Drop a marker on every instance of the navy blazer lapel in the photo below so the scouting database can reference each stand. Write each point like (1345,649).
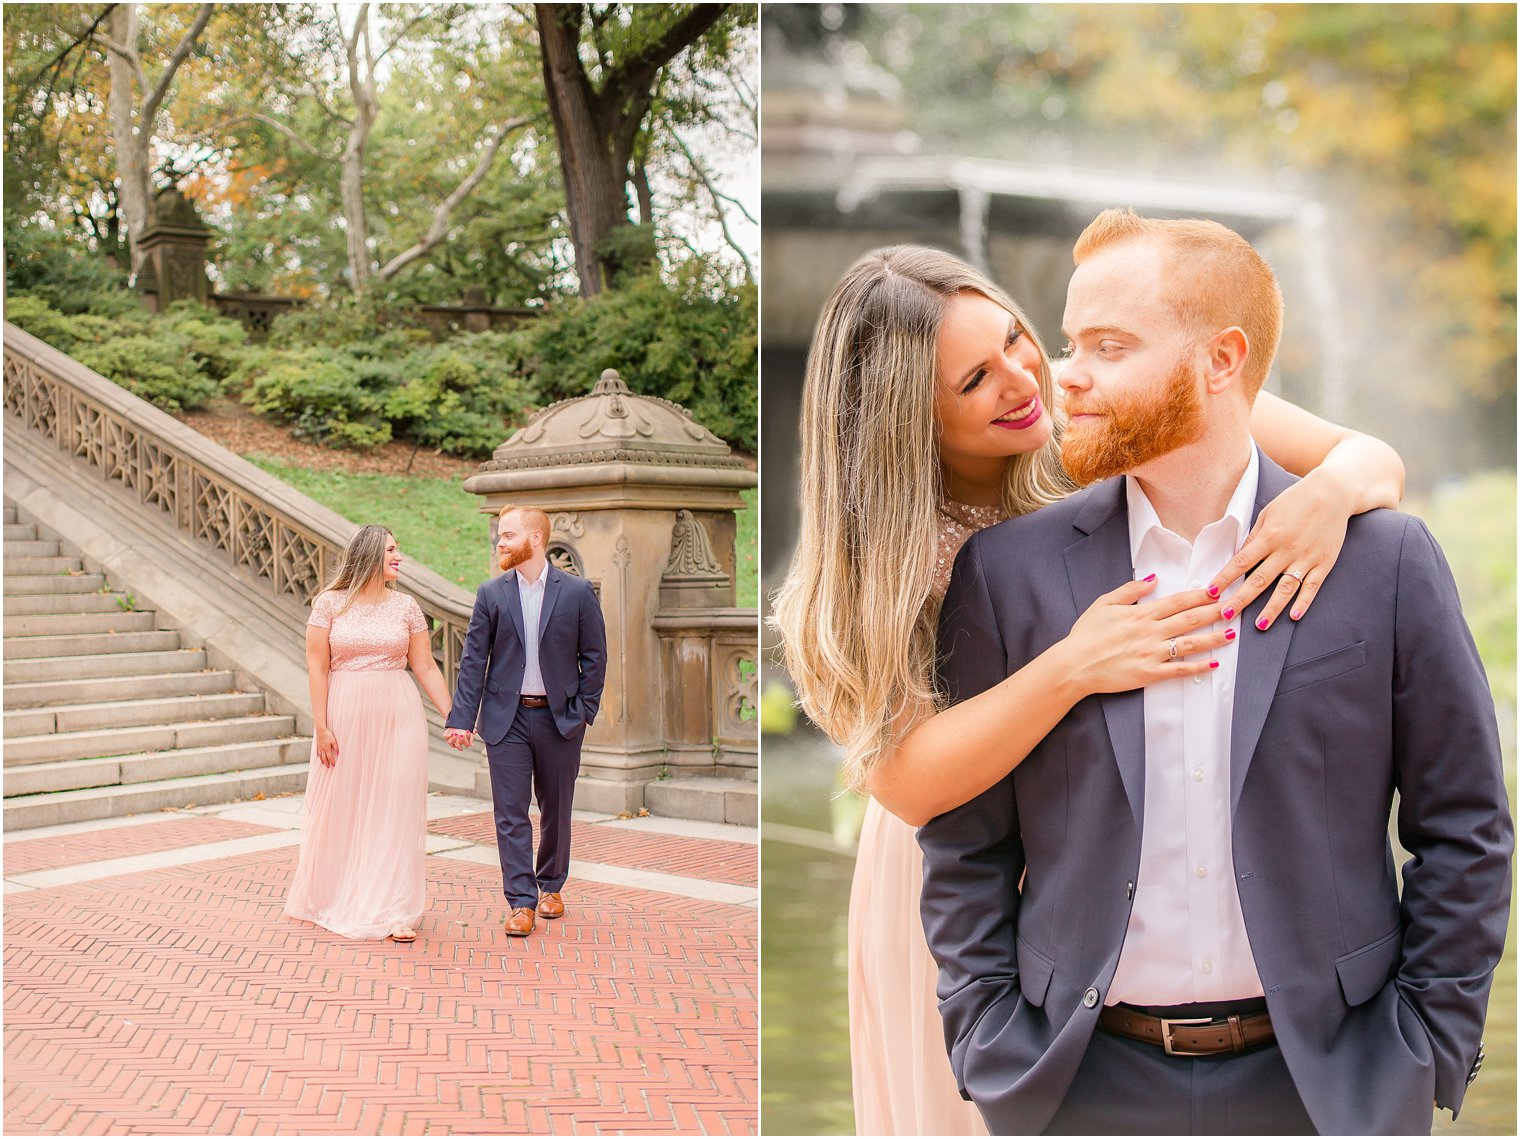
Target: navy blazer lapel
(1096,563)
(552,586)
(514,604)
(1261,654)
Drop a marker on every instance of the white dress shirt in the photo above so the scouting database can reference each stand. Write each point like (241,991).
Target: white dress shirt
(1186,940)
(531,595)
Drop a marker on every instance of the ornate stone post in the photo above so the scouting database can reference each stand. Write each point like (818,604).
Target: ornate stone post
(174,245)
(641,500)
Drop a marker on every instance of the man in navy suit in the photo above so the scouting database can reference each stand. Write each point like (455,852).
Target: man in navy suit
(1180,914)
(536,650)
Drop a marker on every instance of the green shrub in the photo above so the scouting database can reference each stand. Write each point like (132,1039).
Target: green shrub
(155,368)
(317,390)
(218,344)
(41,319)
(340,320)
(693,342)
(61,271)
(459,397)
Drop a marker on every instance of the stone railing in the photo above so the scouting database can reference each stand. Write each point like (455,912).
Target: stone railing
(249,524)
(711,687)
(258,312)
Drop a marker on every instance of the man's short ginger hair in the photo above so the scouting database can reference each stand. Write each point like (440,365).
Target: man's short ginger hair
(1215,279)
(532,519)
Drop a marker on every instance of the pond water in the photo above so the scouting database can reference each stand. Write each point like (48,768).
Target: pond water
(805,1059)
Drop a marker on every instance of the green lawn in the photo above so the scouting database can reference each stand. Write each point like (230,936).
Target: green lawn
(438,523)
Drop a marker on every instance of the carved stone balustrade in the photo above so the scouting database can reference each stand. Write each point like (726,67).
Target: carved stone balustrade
(642,500)
(254,550)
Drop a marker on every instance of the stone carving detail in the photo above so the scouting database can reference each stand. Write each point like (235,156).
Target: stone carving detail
(691,552)
(740,690)
(229,519)
(562,556)
(622,557)
(568,523)
(612,425)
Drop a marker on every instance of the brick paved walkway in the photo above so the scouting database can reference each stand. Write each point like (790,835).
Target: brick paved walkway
(177,999)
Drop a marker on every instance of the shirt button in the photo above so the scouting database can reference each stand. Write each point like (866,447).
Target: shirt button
(1202,871)
(1090,998)
(1208,966)
(1197,775)
(1198,679)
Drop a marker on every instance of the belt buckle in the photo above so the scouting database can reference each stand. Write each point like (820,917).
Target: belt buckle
(1166,1034)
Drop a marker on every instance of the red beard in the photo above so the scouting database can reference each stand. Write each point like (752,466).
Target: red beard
(515,556)
(1133,430)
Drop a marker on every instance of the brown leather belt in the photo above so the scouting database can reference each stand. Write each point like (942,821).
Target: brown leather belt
(1190,1037)
(533,701)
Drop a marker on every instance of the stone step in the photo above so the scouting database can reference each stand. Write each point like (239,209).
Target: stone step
(24,605)
(117,688)
(54,583)
(30,547)
(30,564)
(39,669)
(20,750)
(52,624)
(93,644)
(19,532)
(711,800)
(25,811)
(10,515)
(149,767)
(132,713)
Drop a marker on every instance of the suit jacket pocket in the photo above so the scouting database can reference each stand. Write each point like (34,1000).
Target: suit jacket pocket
(1323,667)
(1364,972)
(1035,971)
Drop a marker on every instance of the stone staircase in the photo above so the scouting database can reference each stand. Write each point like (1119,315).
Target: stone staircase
(108,714)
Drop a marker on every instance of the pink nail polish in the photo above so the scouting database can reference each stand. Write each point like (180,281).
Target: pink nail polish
(1296,614)
(1150,577)
(1228,612)
(1213,664)
(1214,591)
(1261,623)
(1229,634)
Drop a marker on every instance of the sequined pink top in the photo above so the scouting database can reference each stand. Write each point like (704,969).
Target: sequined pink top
(957,522)
(367,638)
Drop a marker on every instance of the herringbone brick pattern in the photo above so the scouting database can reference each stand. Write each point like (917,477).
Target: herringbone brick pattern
(736,863)
(25,855)
(182,1001)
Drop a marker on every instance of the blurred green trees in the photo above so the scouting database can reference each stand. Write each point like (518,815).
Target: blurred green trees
(1400,119)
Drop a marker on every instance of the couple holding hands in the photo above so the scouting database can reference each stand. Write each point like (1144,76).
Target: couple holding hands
(531,676)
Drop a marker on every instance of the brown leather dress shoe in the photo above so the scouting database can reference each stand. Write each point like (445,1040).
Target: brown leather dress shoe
(551,906)
(520,923)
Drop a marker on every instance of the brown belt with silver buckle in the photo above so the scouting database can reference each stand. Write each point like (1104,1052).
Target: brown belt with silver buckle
(533,701)
(1190,1037)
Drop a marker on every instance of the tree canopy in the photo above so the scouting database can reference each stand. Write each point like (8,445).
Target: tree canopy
(407,148)
(1398,120)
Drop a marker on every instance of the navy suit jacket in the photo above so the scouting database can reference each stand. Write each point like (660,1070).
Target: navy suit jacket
(1377,997)
(572,655)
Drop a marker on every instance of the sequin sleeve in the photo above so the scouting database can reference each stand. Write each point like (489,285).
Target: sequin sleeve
(416,622)
(322,610)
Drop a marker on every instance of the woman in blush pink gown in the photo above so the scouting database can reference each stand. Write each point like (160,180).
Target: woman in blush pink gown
(929,412)
(361,867)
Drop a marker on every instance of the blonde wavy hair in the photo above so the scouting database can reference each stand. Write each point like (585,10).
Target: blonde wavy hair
(857,612)
(362,560)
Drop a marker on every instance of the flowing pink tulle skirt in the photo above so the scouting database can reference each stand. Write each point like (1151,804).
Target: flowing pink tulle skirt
(900,1072)
(365,836)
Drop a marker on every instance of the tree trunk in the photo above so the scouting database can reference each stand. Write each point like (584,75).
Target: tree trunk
(351,182)
(129,139)
(593,190)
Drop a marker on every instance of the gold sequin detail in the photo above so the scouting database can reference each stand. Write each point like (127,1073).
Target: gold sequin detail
(957,522)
